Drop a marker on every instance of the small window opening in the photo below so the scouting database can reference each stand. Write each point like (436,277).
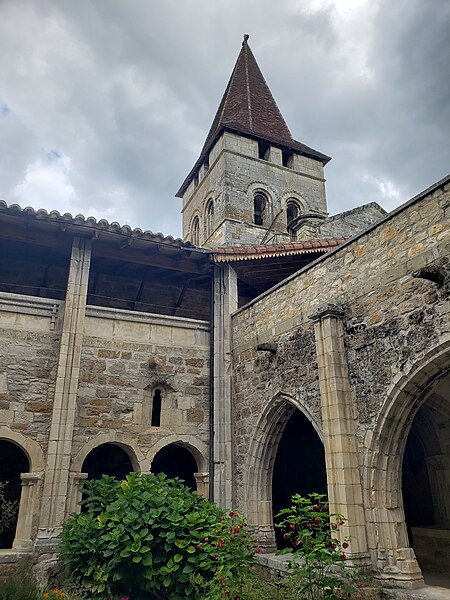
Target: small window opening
(209,217)
(206,163)
(196,231)
(156,409)
(196,180)
(288,158)
(292,213)
(263,150)
(258,209)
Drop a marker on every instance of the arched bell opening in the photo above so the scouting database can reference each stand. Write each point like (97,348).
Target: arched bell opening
(107,459)
(299,466)
(13,462)
(176,461)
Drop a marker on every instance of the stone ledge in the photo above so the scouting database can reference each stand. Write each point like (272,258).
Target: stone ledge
(118,314)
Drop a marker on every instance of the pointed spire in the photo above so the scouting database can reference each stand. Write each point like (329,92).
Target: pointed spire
(248,108)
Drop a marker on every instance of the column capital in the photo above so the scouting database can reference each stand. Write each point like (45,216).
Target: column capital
(76,476)
(327,310)
(30,478)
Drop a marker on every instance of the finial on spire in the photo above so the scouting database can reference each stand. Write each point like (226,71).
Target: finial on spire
(246,36)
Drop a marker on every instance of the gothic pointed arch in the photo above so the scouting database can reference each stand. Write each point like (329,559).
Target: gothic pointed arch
(421,387)
(265,445)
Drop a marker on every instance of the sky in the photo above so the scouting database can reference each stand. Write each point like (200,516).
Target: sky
(105,104)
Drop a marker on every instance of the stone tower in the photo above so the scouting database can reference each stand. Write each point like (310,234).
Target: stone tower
(252,183)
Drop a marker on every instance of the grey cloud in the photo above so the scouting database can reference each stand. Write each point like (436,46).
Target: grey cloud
(126,92)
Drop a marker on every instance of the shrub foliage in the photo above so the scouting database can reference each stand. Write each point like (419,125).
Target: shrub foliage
(319,568)
(149,533)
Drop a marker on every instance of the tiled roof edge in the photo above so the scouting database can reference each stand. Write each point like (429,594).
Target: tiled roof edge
(55,216)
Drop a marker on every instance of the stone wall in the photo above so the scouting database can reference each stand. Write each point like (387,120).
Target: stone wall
(392,319)
(236,173)
(350,222)
(125,357)
(28,356)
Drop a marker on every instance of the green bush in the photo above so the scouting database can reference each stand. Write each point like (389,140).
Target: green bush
(151,535)
(319,567)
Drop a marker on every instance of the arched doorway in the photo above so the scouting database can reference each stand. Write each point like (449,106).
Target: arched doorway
(407,462)
(299,466)
(277,467)
(13,462)
(426,483)
(107,459)
(176,461)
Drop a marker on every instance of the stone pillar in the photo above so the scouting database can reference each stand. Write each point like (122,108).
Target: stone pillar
(225,303)
(202,481)
(439,475)
(339,431)
(56,479)
(274,155)
(27,508)
(76,487)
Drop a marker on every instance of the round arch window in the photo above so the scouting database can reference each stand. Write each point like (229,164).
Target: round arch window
(196,231)
(292,214)
(259,209)
(209,217)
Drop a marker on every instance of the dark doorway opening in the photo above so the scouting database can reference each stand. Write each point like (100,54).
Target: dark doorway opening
(426,502)
(176,461)
(417,498)
(299,466)
(107,459)
(13,462)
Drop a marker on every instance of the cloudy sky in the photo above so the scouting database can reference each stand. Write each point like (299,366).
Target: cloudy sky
(105,104)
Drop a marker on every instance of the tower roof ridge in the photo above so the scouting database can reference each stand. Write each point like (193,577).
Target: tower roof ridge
(249,108)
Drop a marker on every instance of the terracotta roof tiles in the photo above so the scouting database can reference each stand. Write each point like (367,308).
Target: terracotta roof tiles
(237,253)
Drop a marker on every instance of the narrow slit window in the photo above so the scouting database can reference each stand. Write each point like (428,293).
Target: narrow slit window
(156,409)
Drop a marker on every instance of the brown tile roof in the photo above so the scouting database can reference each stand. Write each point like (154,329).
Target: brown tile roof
(237,253)
(41,215)
(248,108)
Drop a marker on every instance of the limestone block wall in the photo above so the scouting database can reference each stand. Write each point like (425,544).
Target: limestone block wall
(350,222)
(393,320)
(125,357)
(28,355)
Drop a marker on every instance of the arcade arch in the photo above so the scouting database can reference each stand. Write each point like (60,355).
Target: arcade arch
(21,465)
(411,442)
(279,466)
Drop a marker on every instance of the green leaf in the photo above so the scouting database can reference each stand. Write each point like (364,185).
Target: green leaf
(188,569)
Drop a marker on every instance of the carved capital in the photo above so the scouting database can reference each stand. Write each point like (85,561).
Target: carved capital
(327,310)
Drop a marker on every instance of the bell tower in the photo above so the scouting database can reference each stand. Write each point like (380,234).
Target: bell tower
(252,183)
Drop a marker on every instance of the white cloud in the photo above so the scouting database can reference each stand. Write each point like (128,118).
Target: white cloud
(47,182)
